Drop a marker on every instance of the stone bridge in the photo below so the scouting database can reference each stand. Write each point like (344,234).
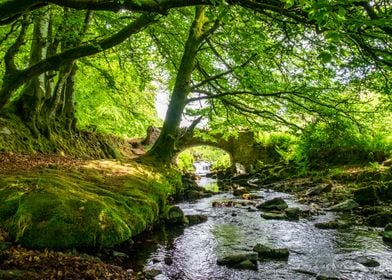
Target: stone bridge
(243,149)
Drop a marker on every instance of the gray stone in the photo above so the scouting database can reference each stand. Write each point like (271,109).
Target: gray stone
(236,259)
(265,251)
(336,224)
(319,189)
(293,213)
(168,260)
(5,130)
(152,273)
(346,205)
(367,261)
(196,219)
(273,204)
(274,215)
(239,191)
(247,264)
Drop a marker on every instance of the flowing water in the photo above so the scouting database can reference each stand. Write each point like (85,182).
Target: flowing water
(314,252)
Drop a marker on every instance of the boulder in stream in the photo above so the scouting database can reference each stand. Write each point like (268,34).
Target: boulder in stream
(175,216)
(344,206)
(273,204)
(335,224)
(243,260)
(367,261)
(274,215)
(293,213)
(196,219)
(267,252)
(387,234)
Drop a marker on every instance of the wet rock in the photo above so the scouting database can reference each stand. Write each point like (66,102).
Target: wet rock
(223,203)
(273,204)
(265,251)
(152,273)
(247,264)
(336,224)
(196,219)
(238,260)
(239,191)
(366,195)
(319,189)
(168,260)
(249,196)
(387,234)
(175,216)
(292,213)
(274,215)
(380,219)
(366,261)
(344,206)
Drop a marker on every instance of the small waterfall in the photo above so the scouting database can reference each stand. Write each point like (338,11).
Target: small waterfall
(202,168)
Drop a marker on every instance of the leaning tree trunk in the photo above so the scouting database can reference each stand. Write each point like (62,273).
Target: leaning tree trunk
(164,147)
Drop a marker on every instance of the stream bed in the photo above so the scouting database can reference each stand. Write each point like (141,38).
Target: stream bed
(192,252)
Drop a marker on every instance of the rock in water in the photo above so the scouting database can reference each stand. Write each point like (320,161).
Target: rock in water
(273,204)
(274,215)
(271,253)
(332,225)
(293,213)
(346,205)
(387,234)
(196,219)
(175,216)
(368,262)
(244,261)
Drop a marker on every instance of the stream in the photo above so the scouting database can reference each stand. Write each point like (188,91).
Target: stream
(192,252)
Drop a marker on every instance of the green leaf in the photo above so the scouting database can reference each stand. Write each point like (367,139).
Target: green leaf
(325,57)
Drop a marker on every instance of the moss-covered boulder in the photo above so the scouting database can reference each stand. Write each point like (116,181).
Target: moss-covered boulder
(387,234)
(273,204)
(366,195)
(380,219)
(102,203)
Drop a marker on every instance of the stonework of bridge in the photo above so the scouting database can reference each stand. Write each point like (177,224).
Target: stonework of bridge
(243,149)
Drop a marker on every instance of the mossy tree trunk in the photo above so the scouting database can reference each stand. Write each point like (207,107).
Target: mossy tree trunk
(34,93)
(165,146)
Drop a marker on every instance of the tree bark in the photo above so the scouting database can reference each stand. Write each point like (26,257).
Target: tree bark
(164,147)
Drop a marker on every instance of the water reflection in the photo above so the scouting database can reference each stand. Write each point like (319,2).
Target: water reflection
(231,230)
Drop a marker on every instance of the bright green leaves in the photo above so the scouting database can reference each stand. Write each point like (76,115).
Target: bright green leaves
(325,57)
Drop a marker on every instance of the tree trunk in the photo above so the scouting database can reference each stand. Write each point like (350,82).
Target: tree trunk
(34,93)
(164,148)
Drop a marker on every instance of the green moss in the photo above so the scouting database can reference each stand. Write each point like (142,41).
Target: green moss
(101,204)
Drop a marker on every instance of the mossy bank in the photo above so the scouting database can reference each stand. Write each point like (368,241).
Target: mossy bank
(96,203)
